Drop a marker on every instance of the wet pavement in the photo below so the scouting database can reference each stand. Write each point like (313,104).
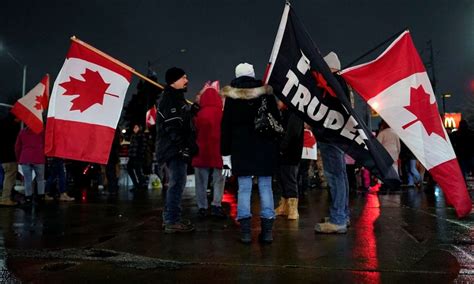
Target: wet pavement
(402,236)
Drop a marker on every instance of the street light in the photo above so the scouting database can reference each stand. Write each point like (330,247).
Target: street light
(444,96)
(4,49)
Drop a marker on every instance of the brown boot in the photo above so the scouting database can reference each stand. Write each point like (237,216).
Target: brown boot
(293,209)
(282,208)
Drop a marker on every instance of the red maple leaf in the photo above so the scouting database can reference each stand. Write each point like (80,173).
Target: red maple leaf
(425,112)
(91,91)
(41,102)
(322,83)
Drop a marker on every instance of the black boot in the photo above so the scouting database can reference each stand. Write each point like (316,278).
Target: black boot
(245,231)
(265,235)
(39,200)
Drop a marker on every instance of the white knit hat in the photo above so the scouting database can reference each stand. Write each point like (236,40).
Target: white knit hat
(244,69)
(332,61)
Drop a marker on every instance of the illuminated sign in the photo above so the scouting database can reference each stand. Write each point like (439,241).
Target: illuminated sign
(451,120)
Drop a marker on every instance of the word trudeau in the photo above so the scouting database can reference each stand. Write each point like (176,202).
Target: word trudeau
(302,100)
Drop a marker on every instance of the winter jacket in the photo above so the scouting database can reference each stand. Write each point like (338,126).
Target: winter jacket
(291,145)
(9,130)
(251,153)
(175,132)
(462,140)
(136,149)
(208,130)
(29,147)
(389,139)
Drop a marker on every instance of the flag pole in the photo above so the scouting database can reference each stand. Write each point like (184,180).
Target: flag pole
(101,53)
(375,48)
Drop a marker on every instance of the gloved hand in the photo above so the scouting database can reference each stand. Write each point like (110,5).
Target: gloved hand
(193,108)
(227,167)
(185,154)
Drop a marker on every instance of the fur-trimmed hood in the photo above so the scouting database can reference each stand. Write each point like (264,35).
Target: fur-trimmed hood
(246,93)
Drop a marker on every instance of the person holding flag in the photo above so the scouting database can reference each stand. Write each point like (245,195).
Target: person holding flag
(334,165)
(175,145)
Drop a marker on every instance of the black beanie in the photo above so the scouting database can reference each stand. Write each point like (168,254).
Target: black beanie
(173,74)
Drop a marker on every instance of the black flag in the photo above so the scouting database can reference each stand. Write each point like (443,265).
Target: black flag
(302,80)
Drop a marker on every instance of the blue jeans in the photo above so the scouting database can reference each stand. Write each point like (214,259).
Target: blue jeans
(28,175)
(57,172)
(336,175)
(412,173)
(245,194)
(202,178)
(177,168)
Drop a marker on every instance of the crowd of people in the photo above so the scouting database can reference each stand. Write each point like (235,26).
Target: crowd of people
(217,136)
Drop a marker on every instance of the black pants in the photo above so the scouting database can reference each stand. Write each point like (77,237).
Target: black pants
(135,171)
(287,179)
(111,175)
(303,176)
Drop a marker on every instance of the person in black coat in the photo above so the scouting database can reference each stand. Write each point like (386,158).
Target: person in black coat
(291,147)
(462,140)
(247,153)
(9,128)
(175,145)
(136,155)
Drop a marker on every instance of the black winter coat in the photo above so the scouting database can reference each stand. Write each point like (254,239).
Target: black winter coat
(136,150)
(9,129)
(251,153)
(291,146)
(175,131)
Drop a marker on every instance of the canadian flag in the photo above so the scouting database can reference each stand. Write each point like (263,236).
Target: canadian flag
(29,108)
(85,105)
(310,150)
(151,117)
(397,86)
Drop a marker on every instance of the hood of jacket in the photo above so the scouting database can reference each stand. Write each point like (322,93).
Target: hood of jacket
(246,88)
(210,98)
(246,94)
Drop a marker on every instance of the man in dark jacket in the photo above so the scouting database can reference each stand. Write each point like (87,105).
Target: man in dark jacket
(175,145)
(291,148)
(10,128)
(462,140)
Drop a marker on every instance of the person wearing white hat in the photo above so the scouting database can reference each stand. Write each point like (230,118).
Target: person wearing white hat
(246,153)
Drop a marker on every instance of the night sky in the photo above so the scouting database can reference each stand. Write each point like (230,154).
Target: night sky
(218,34)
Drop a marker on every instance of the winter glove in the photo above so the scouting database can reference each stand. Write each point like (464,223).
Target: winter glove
(193,108)
(227,167)
(185,154)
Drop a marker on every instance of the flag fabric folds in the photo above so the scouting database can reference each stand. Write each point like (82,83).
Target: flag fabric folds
(302,80)
(397,86)
(29,108)
(85,105)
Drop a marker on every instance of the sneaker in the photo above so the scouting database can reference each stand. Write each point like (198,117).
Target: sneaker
(179,227)
(326,220)
(330,228)
(65,197)
(202,213)
(218,211)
